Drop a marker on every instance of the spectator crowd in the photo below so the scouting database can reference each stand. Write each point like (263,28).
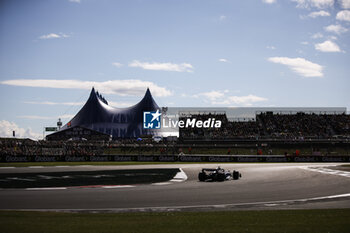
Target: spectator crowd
(27,147)
(269,125)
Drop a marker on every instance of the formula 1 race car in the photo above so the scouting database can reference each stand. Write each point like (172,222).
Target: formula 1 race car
(218,174)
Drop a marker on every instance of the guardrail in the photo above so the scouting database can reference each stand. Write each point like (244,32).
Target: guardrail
(179,158)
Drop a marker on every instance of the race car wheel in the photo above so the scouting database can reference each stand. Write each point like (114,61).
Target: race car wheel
(221,177)
(236,175)
(202,176)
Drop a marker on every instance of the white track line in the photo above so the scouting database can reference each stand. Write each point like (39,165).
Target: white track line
(161,183)
(180,176)
(117,186)
(72,187)
(179,208)
(328,171)
(49,188)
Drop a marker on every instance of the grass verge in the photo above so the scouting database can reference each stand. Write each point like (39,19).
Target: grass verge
(330,220)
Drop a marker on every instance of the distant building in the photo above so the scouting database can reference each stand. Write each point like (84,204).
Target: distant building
(78,133)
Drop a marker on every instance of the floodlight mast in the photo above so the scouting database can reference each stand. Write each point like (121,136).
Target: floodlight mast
(59,123)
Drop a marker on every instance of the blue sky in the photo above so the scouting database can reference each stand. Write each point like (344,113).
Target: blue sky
(191,53)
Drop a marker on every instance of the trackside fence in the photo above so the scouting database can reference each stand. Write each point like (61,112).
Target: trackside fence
(177,158)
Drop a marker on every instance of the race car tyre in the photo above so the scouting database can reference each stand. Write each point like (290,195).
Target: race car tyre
(221,177)
(236,175)
(202,176)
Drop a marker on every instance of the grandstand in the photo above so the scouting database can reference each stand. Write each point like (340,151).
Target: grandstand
(273,125)
(98,121)
(321,133)
(101,130)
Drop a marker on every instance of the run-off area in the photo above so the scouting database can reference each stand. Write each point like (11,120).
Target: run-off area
(85,178)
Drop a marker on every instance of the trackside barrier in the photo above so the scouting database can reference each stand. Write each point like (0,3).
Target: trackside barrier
(276,159)
(75,159)
(99,158)
(219,159)
(123,158)
(45,159)
(167,158)
(178,158)
(190,159)
(143,158)
(11,158)
(335,159)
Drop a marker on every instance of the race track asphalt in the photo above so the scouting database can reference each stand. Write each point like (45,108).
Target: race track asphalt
(263,186)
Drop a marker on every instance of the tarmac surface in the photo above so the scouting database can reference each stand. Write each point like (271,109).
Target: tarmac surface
(262,186)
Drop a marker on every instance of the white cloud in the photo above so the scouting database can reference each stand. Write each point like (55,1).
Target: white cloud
(317,35)
(53,36)
(322,3)
(304,43)
(222,98)
(269,1)
(344,15)
(314,3)
(316,14)
(34,117)
(245,100)
(327,46)
(117,64)
(338,29)
(224,60)
(49,36)
(212,95)
(300,66)
(7,127)
(299,51)
(222,17)
(271,47)
(118,87)
(76,1)
(345,4)
(54,103)
(184,67)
